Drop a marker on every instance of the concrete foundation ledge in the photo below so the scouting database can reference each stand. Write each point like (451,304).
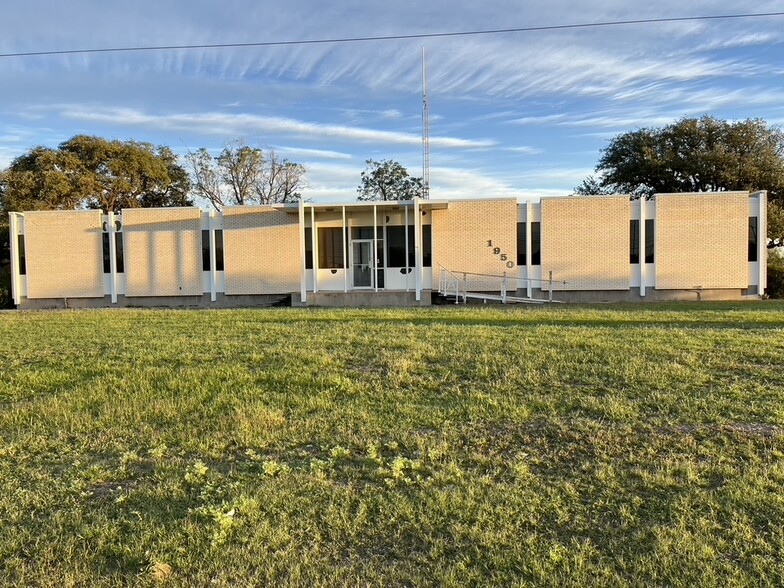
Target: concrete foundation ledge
(362,299)
(651,295)
(222,301)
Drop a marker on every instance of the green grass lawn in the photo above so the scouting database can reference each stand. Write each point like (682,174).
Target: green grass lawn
(460,446)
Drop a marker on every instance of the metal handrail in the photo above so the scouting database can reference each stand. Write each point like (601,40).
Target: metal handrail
(505,275)
(451,282)
(445,284)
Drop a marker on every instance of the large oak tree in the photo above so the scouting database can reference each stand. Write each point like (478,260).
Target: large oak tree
(93,172)
(88,172)
(696,155)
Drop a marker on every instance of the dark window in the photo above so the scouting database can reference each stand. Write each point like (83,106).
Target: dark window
(396,247)
(427,246)
(107,267)
(118,254)
(520,243)
(205,250)
(536,244)
(118,251)
(634,241)
(364,233)
(219,250)
(330,248)
(753,242)
(22,260)
(308,248)
(649,240)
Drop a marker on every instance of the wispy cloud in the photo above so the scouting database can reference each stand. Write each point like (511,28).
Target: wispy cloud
(524,150)
(228,125)
(313,153)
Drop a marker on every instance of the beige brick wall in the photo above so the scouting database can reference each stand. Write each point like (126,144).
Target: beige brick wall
(460,239)
(64,254)
(585,242)
(260,250)
(162,251)
(701,240)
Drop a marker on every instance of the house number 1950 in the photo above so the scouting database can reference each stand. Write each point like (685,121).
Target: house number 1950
(503,256)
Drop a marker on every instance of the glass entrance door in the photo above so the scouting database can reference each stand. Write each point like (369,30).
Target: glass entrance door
(362,263)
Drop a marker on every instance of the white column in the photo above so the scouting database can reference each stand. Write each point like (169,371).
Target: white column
(13,238)
(374,269)
(303,290)
(111,231)
(528,252)
(762,241)
(211,215)
(641,246)
(346,244)
(314,247)
(408,269)
(418,249)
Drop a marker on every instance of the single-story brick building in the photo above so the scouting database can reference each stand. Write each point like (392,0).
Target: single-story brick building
(576,248)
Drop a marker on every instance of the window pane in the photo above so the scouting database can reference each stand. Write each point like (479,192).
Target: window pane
(106,265)
(330,248)
(396,246)
(364,232)
(753,242)
(634,241)
(205,251)
(219,250)
(22,261)
(118,253)
(536,244)
(427,246)
(308,248)
(520,243)
(649,240)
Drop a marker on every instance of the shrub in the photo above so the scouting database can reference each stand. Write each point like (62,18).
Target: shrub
(775,275)
(5,288)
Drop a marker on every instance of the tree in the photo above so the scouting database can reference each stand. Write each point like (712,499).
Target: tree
(696,155)
(591,186)
(775,224)
(88,172)
(388,180)
(245,175)
(93,172)
(282,180)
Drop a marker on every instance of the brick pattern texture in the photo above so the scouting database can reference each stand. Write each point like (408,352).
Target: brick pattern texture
(162,251)
(460,240)
(701,241)
(585,242)
(260,250)
(64,254)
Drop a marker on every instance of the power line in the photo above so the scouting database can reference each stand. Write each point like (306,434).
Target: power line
(394,37)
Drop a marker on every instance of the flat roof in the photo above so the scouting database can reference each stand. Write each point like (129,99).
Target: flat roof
(366,206)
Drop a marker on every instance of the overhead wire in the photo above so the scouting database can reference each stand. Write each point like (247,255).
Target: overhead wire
(363,39)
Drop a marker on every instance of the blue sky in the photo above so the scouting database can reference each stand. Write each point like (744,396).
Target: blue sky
(518,114)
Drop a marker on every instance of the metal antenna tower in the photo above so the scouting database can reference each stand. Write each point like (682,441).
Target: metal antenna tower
(425,132)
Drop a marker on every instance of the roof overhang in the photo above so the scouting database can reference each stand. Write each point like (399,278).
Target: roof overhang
(380,205)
